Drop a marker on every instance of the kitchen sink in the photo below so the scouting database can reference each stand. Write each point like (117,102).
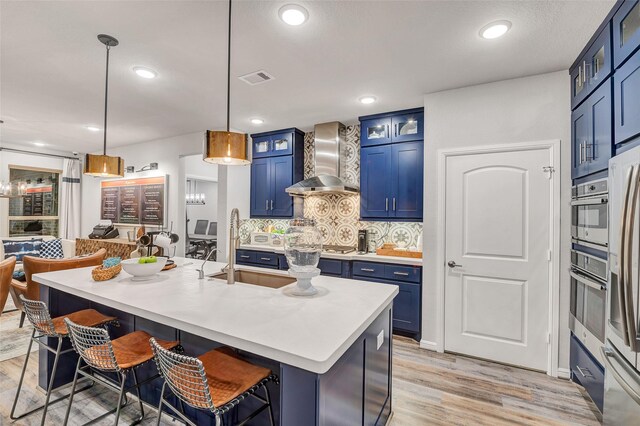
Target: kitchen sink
(257,278)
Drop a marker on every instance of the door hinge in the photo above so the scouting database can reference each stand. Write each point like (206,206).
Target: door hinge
(548,338)
(550,170)
(549,255)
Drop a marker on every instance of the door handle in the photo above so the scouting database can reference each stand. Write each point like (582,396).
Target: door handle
(402,274)
(582,372)
(394,204)
(367,269)
(386,204)
(629,303)
(395,130)
(584,71)
(452,264)
(622,273)
(271,204)
(580,75)
(266,205)
(266,258)
(608,353)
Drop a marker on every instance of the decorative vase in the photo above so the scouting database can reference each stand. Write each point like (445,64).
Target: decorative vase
(302,247)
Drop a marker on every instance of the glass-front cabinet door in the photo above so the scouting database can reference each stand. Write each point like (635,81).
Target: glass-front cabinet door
(281,144)
(626,31)
(407,127)
(376,131)
(261,147)
(598,59)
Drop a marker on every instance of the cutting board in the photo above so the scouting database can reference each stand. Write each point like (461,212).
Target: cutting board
(399,253)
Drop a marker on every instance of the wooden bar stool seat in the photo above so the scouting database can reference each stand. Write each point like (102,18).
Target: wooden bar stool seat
(103,355)
(38,315)
(216,381)
(86,317)
(228,376)
(130,350)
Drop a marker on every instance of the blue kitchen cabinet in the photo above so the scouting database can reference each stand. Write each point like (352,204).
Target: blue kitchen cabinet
(391,181)
(408,127)
(260,187)
(592,69)
(375,131)
(407,180)
(282,178)
(591,133)
(375,185)
(586,371)
(392,167)
(626,31)
(408,303)
(627,100)
(278,161)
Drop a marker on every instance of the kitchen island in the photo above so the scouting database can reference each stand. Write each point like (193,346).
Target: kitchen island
(332,351)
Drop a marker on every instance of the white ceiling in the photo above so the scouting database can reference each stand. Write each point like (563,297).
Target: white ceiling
(52,66)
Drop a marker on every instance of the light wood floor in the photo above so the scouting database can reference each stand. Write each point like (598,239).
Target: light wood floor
(429,389)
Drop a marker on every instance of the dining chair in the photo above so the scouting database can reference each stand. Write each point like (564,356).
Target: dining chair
(6,275)
(213,228)
(201,226)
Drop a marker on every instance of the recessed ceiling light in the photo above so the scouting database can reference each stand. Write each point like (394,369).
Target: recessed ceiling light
(495,29)
(367,100)
(39,143)
(293,14)
(92,128)
(257,121)
(145,72)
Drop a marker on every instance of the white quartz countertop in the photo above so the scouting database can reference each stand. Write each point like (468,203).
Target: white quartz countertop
(369,257)
(310,333)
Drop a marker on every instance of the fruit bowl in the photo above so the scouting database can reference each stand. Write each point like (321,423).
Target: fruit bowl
(143,271)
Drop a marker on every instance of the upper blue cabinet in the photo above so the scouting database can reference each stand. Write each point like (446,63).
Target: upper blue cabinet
(592,69)
(278,162)
(626,31)
(401,126)
(272,144)
(626,92)
(392,166)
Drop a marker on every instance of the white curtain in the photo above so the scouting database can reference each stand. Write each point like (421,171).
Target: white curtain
(70,200)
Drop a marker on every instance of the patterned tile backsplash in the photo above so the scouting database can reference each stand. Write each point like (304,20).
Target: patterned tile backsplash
(337,216)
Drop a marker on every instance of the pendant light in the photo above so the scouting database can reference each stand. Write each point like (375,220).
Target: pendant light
(104,165)
(228,148)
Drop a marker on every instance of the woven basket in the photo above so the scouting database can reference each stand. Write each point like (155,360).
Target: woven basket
(103,274)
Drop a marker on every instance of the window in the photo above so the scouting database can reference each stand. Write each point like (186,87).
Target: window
(35,213)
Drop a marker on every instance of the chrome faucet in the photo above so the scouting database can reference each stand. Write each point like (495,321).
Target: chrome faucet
(201,270)
(234,243)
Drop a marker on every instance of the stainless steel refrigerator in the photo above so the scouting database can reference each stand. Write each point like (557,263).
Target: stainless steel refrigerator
(620,353)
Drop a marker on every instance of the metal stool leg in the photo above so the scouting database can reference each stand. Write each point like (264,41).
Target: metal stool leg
(53,375)
(24,369)
(22,317)
(73,389)
(160,404)
(135,381)
(270,408)
(120,395)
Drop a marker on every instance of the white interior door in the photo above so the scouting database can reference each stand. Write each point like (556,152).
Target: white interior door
(497,280)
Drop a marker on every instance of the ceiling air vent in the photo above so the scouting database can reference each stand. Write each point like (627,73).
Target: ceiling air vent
(256,77)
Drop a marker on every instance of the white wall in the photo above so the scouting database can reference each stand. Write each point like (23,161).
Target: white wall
(520,110)
(209,210)
(27,160)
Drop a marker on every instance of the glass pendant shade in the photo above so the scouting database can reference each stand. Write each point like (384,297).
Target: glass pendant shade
(103,166)
(226,148)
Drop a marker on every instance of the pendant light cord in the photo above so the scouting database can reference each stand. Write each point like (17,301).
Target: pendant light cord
(228,69)
(106,93)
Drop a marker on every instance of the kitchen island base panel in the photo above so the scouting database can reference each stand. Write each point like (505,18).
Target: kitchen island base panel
(356,390)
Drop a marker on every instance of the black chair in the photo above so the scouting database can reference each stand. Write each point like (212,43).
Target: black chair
(213,228)
(201,226)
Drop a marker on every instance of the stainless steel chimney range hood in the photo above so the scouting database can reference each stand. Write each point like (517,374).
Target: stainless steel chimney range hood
(329,156)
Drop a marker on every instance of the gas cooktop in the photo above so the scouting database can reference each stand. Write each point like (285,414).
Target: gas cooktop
(338,249)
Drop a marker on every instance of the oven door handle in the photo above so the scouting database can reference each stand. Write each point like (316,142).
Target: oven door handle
(590,201)
(622,300)
(585,280)
(628,256)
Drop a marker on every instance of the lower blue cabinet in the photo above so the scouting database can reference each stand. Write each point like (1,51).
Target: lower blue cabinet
(587,371)
(407,306)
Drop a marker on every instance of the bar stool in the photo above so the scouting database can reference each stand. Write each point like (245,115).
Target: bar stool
(216,381)
(120,356)
(39,317)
